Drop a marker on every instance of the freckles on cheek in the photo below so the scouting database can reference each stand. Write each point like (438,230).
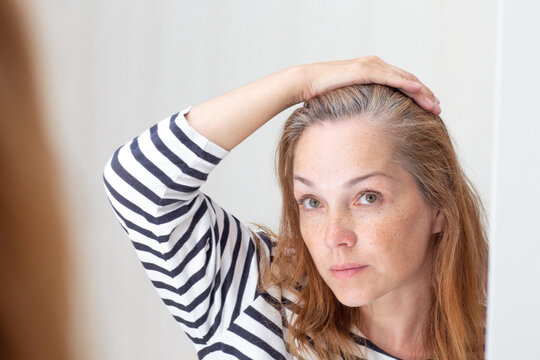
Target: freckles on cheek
(391,239)
(310,229)
(398,243)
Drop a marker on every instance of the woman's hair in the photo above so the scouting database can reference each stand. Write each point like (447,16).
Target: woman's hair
(33,298)
(421,143)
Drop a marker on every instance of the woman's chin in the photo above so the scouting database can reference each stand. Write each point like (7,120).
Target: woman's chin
(352,299)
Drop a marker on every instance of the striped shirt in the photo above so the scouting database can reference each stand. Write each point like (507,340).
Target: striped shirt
(202,260)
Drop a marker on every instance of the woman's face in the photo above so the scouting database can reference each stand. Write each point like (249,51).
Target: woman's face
(362,217)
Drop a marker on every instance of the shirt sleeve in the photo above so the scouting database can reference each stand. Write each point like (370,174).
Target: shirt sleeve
(201,259)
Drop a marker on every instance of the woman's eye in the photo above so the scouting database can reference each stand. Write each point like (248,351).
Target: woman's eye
(370,198)
(312,203)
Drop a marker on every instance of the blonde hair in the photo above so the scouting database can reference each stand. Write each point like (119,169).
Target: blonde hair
(422,145)
(33,299)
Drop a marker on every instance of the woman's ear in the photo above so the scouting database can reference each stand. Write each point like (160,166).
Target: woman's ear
(438,222)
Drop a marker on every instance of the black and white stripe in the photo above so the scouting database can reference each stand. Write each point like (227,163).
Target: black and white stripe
(201,259)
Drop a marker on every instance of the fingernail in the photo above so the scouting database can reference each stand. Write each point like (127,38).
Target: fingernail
(429,102)
(437,100)
(438,108)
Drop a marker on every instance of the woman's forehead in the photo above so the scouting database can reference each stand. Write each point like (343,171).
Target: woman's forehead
(343,146)
(346,183)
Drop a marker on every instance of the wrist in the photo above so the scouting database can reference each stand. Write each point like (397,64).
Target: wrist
(295,80)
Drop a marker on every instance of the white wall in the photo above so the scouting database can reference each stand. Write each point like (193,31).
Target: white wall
(514,287)
(114,68)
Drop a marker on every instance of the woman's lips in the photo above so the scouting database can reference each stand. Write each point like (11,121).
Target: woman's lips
(344,271)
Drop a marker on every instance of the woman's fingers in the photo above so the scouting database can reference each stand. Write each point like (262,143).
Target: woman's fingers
(413,78)
(424,98)
(411,86)
(407,83)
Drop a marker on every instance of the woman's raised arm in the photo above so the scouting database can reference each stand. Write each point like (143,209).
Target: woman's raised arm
(230,118)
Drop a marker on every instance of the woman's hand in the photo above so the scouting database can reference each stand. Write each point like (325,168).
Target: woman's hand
(325,76)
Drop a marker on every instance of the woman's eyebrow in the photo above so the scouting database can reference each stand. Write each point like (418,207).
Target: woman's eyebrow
(349,183)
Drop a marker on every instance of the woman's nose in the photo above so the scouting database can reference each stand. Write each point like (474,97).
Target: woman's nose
(340,232)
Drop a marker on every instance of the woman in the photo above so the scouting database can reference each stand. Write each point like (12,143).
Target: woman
(381,251)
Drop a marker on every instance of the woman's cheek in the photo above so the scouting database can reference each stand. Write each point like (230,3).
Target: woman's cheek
(312,229)
(396,242)
(388,233)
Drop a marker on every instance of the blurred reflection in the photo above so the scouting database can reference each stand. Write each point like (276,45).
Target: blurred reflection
(33,299)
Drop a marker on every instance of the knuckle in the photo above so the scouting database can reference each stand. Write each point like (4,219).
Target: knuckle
(372,58)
